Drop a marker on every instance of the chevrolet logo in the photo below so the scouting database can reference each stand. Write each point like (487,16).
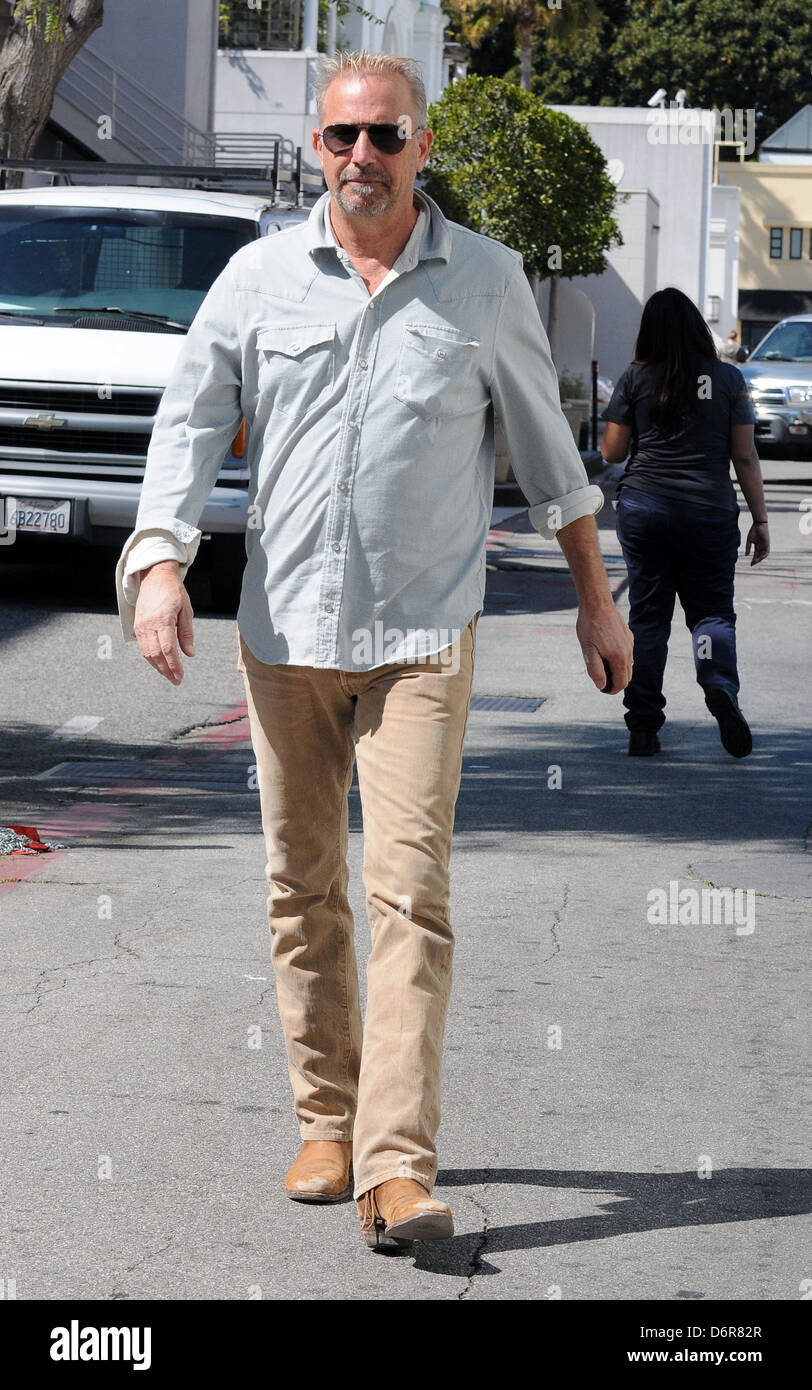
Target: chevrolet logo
(46,422)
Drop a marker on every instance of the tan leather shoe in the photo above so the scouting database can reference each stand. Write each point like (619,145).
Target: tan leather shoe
(399,1211)
(321,1173)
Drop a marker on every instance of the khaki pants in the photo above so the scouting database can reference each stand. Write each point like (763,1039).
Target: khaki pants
(376,1084)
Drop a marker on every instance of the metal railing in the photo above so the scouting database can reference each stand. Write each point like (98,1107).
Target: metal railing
(262,150)
(238,147)
(138,120)
(287,183)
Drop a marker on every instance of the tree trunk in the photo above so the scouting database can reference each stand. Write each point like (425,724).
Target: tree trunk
(552,316)
(526,42)
(30,69)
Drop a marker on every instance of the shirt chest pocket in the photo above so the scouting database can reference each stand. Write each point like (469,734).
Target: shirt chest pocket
(296,365)
(436,372)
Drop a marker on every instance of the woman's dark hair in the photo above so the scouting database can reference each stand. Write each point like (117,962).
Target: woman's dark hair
(675,339)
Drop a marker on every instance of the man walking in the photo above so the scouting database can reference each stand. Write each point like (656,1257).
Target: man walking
(367,349)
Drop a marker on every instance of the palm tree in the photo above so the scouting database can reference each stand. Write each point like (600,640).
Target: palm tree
(477,19)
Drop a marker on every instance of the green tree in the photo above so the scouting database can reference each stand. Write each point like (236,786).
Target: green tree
(750,54)
(745,54)
(507,166)
(583,73)
(42,39)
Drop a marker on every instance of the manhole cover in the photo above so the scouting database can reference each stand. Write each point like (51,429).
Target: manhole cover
(503,702)
(209,776)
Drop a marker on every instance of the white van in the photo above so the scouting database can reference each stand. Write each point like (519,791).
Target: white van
(97,287)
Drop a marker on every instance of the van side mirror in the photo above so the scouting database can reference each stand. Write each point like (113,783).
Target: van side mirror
(742,354)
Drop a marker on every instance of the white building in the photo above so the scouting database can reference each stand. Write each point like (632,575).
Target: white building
(161,82)
(678,226)
(267,91)
(142,87)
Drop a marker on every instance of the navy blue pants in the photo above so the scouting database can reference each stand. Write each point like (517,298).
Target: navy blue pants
(676,549)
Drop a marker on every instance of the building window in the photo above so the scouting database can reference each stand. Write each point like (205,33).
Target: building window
(776,243)
(246,24)
(796,237)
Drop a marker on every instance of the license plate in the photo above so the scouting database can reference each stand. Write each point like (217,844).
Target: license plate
(48,517)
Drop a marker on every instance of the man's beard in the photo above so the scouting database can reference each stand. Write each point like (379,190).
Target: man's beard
(364,199)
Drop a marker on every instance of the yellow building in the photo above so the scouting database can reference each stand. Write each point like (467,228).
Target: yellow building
(775,228)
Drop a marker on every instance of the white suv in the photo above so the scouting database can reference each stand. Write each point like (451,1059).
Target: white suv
(97,287)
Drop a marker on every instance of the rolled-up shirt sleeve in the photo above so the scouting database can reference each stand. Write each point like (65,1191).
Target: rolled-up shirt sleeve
(524,390)
(199,415)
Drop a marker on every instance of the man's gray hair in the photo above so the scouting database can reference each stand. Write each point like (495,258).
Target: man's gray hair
(363,64)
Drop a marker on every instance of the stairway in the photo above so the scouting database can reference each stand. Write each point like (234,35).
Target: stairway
(112,114)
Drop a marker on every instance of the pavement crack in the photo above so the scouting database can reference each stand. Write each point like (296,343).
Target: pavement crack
(477,1255)
(66,966)
(558,918)
(54,882)
(121,946)
(151,1255)
(40,985)
(210,724)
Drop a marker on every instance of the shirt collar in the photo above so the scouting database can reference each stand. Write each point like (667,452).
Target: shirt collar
(431,229)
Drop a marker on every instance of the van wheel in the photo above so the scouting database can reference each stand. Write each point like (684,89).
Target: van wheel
(225,565)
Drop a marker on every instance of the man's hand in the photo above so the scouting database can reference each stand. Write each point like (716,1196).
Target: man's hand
(163,618)
(604,636)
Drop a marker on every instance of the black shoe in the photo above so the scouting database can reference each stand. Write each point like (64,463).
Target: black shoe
(642,743)
(734,730)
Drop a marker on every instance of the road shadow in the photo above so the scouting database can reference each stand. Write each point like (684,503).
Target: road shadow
(39,583)
(691,791)
(631,1204)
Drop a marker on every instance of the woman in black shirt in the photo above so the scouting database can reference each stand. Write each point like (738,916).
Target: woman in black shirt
(682,415)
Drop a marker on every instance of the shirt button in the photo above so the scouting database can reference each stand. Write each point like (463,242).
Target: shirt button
(351,424)
(328,607)
(440,353)
(294,347)
(342,487)
(363,363)
(336,545)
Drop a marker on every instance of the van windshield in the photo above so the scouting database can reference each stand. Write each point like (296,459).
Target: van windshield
(58,264)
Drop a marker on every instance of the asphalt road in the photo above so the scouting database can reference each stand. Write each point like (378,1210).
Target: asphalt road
(622,1100)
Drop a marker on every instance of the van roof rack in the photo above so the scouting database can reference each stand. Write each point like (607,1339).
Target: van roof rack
(268,175)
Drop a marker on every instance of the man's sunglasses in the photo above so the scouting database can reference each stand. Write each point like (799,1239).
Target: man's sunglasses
(389,139)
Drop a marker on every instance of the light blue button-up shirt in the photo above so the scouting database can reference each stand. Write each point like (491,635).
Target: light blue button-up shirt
(371,438)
